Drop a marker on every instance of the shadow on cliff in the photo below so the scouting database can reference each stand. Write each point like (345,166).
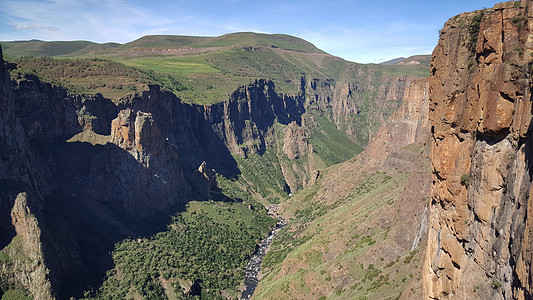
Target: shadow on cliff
(9,189)
(188,128)
(86,216)
(104,195)
(252,110)
(521,215)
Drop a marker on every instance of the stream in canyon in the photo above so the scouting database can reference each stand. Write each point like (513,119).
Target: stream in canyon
(254,264)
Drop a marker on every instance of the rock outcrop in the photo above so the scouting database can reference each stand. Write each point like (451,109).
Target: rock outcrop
(245,122)
(88,172)
(21,184)
(405,134)
(480,228)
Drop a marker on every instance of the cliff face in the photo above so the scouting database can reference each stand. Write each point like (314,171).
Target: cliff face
(409,125)
(357,107)
(21,183)
(82,172)
(352,200)
(73,163)
(245,122)
(479,240)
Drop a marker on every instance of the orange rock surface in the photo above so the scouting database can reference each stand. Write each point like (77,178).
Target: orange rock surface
(480,112)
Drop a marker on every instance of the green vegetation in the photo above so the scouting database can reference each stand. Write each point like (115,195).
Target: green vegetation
(112,79)
(517,4)
(4,258)
(465,179)
(41,48)
(263,174)
(228,40)
(15,294)
(327,241)
(205,70)
(496,284)
(204,249)
(519,49)
(209,245)
(519,21)
(331,144)
(473,31)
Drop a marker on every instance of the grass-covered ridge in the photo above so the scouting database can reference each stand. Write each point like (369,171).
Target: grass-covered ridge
(42,48)
(282,41)
(92,75)
(210,68)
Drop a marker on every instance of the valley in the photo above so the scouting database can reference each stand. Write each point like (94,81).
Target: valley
(121,160)
(257,165)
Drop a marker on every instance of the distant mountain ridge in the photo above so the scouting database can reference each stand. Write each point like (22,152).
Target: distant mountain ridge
(411,60)
(393,61)
(81,48)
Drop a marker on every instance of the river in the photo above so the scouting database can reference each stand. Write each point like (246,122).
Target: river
(254,264)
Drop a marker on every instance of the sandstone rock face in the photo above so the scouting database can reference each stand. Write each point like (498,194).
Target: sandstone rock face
(479,243)
(408,126)
(33,275)
(204,180)
(295,143)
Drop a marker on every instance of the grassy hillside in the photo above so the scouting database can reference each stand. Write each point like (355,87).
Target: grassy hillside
(210,68)
(41,48)
(111,79)
(331,145)
(346,239)
(228,40)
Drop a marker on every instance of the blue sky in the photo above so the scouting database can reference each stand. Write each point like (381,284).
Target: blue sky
(362,31)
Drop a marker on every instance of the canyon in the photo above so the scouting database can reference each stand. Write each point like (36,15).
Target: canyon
(394,186)
(83,172)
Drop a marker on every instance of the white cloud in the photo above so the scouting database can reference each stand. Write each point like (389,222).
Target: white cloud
(35,27)
(95,20)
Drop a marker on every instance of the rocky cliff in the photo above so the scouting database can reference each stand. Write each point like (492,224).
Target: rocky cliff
(479,240)
(245,122)
(82,172)
(358,228)
(21,185)
(73,163)
(409,125)
(357,106)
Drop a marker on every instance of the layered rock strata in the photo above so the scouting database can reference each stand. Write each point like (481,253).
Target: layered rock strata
(88,172)
(479,240)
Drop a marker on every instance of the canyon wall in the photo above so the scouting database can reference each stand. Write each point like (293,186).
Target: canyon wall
(21,185)
(72,163)
(409,125)
(342,202)
(357,105)
(81,172)
(480,228)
